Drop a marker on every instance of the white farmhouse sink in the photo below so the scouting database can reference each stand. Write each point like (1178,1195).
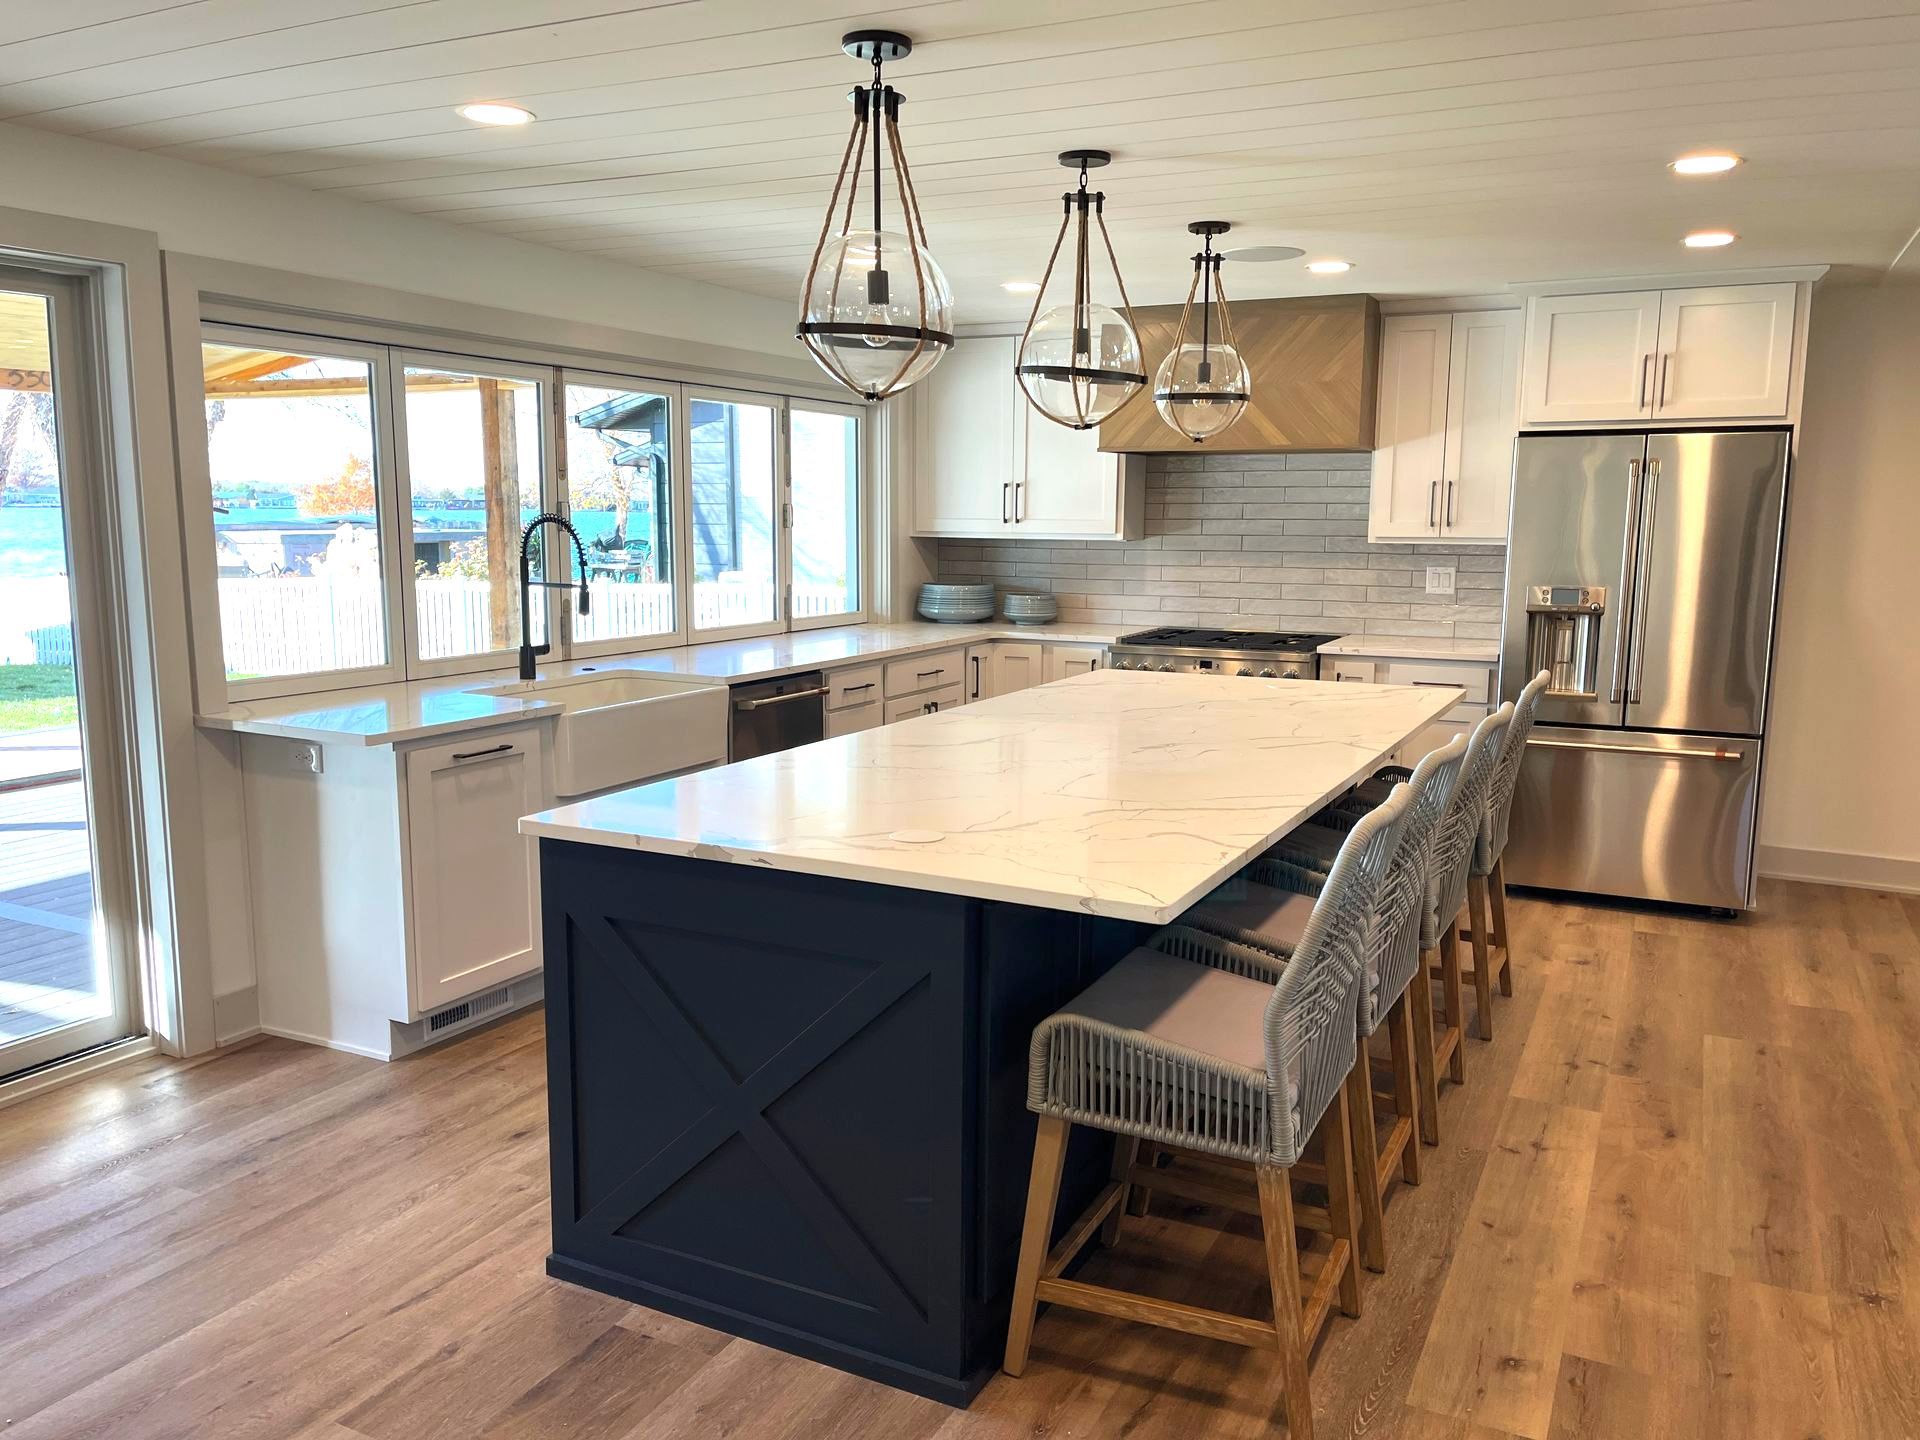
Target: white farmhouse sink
(622,727)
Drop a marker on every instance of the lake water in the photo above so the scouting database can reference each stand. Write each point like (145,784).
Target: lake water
(31,542)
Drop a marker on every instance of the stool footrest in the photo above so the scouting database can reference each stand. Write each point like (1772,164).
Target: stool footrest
(1168,1314)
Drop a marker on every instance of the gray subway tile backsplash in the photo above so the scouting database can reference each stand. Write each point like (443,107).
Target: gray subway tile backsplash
(1250,542)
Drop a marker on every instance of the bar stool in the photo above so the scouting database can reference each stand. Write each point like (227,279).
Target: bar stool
(1486,878)
(1449,856)
(1263,912)
(1212,1061)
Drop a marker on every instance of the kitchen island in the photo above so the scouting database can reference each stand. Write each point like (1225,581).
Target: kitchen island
(789,1000)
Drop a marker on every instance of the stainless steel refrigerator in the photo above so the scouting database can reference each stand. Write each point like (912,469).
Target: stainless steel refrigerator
(1642,571)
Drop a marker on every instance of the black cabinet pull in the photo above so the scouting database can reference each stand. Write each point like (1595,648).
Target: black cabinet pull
(476,754)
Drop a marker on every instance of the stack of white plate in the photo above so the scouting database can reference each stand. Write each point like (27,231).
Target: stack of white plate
(955,604)
(1029,609)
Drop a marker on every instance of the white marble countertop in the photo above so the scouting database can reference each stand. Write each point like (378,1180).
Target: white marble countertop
(1414,647)
(416,710)
(1115,793)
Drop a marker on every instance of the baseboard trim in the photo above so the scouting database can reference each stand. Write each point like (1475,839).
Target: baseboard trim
(1840,867)
(236,1015)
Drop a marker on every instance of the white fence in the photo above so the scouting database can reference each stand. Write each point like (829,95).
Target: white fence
(291,624)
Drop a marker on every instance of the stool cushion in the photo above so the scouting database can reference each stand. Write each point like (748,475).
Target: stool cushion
(1246,907)
(1316,845)
(1194,1006)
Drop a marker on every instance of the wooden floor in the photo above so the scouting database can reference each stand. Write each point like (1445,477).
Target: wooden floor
(1680,1196)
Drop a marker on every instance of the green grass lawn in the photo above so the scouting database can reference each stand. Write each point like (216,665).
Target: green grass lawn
(33,697)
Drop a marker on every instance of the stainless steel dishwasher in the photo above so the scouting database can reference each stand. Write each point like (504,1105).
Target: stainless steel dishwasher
(771,715)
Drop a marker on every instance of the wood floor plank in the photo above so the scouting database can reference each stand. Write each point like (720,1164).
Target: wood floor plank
(1770,1359)
(1493,1355)
(1756,1218)
(1569,1050)
(1633,1298)
(1595,1401)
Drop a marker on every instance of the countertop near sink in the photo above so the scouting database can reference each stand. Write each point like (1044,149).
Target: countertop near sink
(416,710)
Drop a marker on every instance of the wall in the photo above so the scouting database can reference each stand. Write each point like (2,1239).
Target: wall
(202,211)
(1842,797)
(1259,542)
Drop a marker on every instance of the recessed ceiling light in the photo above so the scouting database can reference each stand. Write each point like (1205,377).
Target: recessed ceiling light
(1713,163)
(1329,267)
(1710,239)
(1263,254)
(1020,287)
(496,112)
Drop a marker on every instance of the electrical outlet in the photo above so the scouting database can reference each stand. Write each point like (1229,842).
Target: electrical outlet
(1439,579)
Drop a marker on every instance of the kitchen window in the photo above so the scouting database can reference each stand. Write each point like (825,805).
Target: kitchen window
(367,503)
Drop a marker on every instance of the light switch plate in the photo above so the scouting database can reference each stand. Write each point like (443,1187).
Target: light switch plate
(1439,579)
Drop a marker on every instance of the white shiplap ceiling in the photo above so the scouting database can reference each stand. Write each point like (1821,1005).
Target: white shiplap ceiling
(1444,146)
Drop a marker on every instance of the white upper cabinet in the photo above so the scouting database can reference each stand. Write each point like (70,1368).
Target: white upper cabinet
(1721,352)
(1590,357)
(1443,462)
(987,464)
(1482,394)
(1725,352)
(965,442)
(1410,435)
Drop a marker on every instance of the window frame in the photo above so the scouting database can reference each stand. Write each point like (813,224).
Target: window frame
(205,555)
(674,391)
(400,357)
(862,509)
(389,352)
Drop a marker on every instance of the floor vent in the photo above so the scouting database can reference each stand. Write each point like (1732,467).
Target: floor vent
(450,1020)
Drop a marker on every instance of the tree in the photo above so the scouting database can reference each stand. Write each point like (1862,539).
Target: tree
(607,489)
(25,405)
(348,493)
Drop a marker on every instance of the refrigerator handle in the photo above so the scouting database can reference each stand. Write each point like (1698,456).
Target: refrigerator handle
(1636,666)
(1629,553)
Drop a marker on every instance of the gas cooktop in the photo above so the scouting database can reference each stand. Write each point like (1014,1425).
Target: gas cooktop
(1248,642)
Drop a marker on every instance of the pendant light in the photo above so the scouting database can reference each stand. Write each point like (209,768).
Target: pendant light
(1202,386)
(1080,362)
(875,310)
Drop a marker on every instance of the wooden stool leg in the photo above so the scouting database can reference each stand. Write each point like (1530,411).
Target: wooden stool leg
(1337,1129)
(1126,1150)
(1283,1275)
(1499,894)
(1364,1156)
(1453,999)
(1043,1193)
(1400,1037)
(1482,955)
(1426,1066)
(1137,1195)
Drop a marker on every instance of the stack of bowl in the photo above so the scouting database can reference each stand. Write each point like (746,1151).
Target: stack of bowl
(955,604)
(1029,609)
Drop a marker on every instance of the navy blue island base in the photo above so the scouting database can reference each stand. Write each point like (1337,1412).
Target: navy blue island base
(793,1108)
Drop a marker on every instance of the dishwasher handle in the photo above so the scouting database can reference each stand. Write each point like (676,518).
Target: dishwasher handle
(779,699)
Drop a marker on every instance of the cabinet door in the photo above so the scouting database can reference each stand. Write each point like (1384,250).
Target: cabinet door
(469,870)
(1725,352)
(1018,665)
(967,440)
(1590,357)
(979,682)
(1066,486)
(1483,393)
(1411,430)
(853,718)
(931,702)
(1065,660)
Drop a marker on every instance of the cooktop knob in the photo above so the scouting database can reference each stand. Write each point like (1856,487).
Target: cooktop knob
(1267,674)
(1166,667)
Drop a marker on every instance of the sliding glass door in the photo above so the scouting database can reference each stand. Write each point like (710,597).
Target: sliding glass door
(65,866)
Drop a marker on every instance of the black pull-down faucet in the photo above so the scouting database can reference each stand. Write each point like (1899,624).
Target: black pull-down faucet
(528,650)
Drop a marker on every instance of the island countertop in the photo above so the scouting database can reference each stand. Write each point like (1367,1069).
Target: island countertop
(1113,793)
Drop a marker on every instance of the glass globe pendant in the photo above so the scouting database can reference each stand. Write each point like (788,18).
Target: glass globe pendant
(875,310)
(1080,362)
(1202,386)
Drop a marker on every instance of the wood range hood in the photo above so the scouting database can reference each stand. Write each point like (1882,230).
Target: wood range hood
(1314,360)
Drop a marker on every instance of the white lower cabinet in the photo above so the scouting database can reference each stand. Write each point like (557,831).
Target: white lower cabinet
(392,894)
(1065,660)
(470,914)
(928,702)
(854,718)
(1018,665)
